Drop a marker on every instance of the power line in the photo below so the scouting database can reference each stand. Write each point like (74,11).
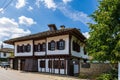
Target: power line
(5,5)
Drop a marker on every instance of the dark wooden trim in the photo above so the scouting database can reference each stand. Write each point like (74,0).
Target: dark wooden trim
(33,48)
(79,65)
(65,66)
(48,64)
(43,57)
(54,68)
(46,53)
(68,66)
(70,36)
(59,65)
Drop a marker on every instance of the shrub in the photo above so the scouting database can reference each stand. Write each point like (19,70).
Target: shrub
(112,75)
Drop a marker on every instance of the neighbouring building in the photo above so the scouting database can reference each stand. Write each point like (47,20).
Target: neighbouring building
(5,54)
(53,51)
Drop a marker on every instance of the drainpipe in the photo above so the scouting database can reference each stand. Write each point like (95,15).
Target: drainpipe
(118,70)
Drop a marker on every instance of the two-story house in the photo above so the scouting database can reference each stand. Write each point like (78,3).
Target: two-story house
(53,51)
(5,53)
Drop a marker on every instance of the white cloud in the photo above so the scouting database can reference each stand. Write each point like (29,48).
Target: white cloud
(9,28)
(30,8)
(37,3)
(20,4)
(74,15)
(86,34)
(26,21)
(66,1)
(1,10)
(50,4)
(66,10)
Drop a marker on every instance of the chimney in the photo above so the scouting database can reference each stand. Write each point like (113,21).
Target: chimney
(62,27)
(52,27)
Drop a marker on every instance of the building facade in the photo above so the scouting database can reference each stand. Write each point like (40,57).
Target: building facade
(52,51)
(5,54)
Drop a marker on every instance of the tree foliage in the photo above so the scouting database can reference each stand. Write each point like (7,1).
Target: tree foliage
(104,41)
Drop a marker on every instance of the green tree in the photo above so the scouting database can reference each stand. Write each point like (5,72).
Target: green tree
(104,41)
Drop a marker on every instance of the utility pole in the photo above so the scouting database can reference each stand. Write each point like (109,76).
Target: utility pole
(118,70)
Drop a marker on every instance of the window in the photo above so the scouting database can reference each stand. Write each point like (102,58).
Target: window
(39,47)
(4,54)
(51,45)
(23,48)
(35,48)
(42,63)
(18,48)
(50,64)
(28,48)
(76,47)
(61,45)
(43,47)
(56,64)
(62,64)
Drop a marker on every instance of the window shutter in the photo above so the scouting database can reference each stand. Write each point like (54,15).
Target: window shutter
(63,44)
(18,49)
(78,48)
(73,45)
(57,44)
(34,48)
(28,47)
(49,46)
(41,47)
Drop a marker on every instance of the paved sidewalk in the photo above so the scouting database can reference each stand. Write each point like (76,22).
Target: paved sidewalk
(19,75)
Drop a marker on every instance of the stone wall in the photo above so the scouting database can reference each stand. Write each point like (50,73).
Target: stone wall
(95,69)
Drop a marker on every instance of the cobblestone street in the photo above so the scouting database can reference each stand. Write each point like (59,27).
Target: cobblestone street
(19,75)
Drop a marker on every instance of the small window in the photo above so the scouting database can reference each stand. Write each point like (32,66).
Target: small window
(35,48)
(51,45)
(39,47)
(50,64)
(75,46)
(61,45)
(43,47)
(42,63)
(4,54)
(18,48)
(25,48)
(62,64)
(56,64)
(22,48)
(28,48)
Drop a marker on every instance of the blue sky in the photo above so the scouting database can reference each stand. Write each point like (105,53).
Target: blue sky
(23,17)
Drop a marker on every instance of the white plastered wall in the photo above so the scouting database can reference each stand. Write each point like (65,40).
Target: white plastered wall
(57,38)
(81,53)
(39,53)
(25,43)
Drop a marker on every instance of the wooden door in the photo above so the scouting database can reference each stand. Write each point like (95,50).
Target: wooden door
(15,64)
(22,66)
(71,70)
